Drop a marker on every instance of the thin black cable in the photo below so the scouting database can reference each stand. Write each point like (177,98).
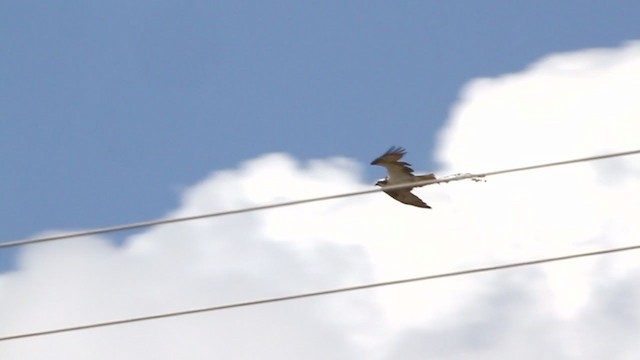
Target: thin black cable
(303,201)
(319,293)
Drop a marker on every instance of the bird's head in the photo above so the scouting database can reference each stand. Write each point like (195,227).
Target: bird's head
(382,182)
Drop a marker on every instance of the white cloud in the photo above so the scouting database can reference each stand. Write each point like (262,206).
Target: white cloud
(512,320)
(564,106)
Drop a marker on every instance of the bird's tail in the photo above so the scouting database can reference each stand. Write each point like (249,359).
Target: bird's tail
(424,177)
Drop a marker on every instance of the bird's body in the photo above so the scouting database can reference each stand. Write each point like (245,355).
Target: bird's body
(400,172)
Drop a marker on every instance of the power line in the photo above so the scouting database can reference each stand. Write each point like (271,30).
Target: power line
(319,293)
(303,201)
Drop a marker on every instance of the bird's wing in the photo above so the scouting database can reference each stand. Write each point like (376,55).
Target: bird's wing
(391,161)
(406,197)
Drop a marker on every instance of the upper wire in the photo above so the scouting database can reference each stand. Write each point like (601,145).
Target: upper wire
(457,177)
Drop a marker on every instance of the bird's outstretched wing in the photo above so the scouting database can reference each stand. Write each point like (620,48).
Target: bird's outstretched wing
(406,197)
(391,161)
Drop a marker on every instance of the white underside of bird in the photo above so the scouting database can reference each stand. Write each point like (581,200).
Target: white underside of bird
(399,172)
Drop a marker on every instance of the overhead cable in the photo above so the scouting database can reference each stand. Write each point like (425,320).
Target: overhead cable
(457,177)
(317,293)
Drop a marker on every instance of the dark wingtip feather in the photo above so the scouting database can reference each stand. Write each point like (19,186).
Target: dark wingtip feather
(422,205)
(396,150)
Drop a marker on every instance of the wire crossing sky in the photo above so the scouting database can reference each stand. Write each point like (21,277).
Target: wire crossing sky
(125,117)
(321,293)
(456,177)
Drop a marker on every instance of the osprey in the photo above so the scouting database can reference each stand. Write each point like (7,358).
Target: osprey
(400,172)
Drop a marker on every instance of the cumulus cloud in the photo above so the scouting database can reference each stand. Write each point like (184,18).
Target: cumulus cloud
(193,265)
(511,320)
(563,106)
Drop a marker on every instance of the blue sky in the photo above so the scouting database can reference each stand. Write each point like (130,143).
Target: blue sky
(119,111)
(108,109)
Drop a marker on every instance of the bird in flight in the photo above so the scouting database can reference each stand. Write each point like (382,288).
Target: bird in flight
(400,172)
